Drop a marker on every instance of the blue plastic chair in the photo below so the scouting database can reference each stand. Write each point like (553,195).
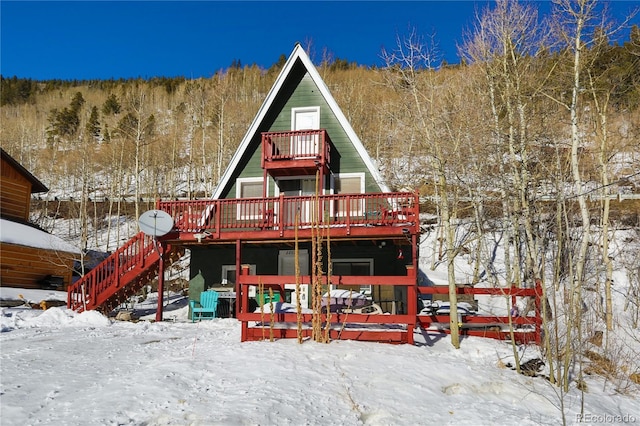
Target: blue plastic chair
(206,308)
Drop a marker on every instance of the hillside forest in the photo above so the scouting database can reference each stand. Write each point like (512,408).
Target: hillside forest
(533,140)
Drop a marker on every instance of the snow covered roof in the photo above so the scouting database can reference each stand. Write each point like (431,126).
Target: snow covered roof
(24,235)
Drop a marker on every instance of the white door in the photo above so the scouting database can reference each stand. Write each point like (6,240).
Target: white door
(286,266)
(305,119)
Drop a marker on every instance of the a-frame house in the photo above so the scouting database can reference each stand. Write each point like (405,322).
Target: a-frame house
(300,179)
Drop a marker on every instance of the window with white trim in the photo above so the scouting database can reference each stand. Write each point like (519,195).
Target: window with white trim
(350,183)
(247,188)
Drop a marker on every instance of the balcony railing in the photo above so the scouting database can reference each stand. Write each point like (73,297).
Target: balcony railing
(311,145)
(380,209)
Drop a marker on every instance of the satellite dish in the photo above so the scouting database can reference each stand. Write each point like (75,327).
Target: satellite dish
(155,223)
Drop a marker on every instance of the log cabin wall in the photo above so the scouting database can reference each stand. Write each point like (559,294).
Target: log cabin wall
(15,192)
(25,267)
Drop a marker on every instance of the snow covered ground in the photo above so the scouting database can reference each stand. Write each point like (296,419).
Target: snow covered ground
(63,368)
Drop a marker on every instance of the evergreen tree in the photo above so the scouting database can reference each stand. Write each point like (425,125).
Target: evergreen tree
(15,91)
(64,122)
(93,124)
(107,134)
(111,106)
(76,103)
(127,126)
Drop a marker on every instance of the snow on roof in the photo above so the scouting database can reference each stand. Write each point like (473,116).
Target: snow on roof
(23,235)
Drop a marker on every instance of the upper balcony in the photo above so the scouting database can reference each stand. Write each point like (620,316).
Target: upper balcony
(377,215)
(294,153)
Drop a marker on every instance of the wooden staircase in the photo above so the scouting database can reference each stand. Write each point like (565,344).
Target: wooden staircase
(119,276)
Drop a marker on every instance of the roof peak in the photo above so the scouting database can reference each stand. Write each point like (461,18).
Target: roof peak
(298,53)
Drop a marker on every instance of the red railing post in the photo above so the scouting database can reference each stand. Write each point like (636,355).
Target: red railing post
(116,268)
(160,307)
(244,297)
(412,301)
(263,150)
(217,217)
(94,293)
(281,214)
(348,214)
(538,318)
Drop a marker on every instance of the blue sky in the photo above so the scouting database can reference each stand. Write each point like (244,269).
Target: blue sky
(119,39)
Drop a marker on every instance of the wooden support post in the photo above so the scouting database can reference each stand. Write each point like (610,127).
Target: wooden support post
(412,290)
(538,308)
(244,303)
(281,214)
(160,247)
(239,290)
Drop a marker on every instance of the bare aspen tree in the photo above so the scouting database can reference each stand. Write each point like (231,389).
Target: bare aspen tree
(119,186)
(195,116)
(411,70)
(190,118)
(81,168)
(204,121)
(601,106)
(604,78)
(503,44)
(175,153)
(136,127)
(222,93)
(574,21)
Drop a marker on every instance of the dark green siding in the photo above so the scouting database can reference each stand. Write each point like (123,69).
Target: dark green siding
(300,91)
(209,260)
(344,153)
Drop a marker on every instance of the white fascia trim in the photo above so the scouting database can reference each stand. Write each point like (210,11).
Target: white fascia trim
(298,53)
(342,119)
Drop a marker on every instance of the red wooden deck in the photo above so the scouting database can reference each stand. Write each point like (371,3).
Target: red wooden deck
(275,219)
(346,215)
(386,328)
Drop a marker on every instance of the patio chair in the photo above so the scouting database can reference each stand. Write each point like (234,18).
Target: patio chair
(206,308)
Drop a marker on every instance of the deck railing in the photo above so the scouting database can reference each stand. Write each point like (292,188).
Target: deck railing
(286,212)
(299,144)
(525,329)
(106,278)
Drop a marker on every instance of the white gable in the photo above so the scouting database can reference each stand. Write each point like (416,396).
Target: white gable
(299,53)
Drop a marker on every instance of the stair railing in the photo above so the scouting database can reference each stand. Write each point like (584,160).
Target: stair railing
(106,279)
